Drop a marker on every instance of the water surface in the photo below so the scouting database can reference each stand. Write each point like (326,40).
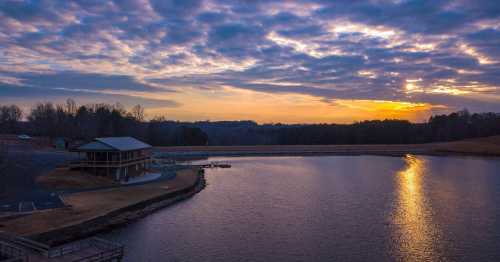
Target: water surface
(335,208)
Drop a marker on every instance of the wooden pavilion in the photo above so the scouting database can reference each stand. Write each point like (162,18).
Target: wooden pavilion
(116,157)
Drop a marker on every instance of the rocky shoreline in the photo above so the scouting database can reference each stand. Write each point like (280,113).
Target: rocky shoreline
(120,217)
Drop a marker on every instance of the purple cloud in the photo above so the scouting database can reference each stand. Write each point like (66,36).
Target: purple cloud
(328,49)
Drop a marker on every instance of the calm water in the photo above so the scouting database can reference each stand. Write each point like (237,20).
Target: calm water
(338,208)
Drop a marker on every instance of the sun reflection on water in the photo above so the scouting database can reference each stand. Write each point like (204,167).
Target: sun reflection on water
(415,234)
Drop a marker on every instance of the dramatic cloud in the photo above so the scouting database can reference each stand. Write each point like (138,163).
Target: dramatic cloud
(442,54)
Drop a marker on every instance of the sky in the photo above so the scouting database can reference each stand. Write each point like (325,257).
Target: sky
(269,61)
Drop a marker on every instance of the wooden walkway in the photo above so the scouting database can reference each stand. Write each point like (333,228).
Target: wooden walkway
(213,165)
(170,162)
(18,249)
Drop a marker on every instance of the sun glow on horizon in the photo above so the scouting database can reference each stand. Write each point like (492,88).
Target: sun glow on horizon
(230,103)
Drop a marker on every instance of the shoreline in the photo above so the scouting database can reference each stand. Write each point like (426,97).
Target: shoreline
(343,153)
(120,217)
(82,225)
(487,146)
(259,151)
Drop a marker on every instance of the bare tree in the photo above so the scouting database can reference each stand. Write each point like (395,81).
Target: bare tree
(138,113)
(71,107)
(15,113)
(120,109)
(10,117)
(43,118)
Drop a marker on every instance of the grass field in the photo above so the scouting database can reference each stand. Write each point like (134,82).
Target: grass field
(477,146)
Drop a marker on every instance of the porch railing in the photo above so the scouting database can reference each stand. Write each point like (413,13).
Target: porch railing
(109,163)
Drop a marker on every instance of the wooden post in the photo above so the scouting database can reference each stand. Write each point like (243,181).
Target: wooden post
(107,163)
(120,164)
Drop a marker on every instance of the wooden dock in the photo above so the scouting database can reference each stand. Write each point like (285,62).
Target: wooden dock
(19,249)
(171,162)
(213,165)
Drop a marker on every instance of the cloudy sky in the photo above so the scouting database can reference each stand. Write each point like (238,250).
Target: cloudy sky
(269,61)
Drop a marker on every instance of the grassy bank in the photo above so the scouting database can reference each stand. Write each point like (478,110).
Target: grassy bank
(488,146)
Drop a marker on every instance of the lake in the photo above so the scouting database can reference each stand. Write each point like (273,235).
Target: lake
(330,208)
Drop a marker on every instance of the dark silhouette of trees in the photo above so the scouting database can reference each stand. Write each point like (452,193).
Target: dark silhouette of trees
(9,118)
(462,124)
(97,120)
(43,119)
(168,133)
(138,113)
(455,126)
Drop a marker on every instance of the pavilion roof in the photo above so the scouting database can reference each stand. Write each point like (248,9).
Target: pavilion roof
(113,144)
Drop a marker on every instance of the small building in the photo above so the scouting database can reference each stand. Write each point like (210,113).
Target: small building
(116,157)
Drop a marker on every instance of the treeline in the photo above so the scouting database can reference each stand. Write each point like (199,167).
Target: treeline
(85,122)
(454,126)
(439,128)
(97,120)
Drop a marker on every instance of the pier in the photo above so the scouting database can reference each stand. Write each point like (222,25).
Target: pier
(213,165)
(19,249)
(171,162)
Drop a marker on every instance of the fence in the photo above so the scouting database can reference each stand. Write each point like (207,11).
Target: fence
(107,249)
(11,253)
(18,249)
(110,163)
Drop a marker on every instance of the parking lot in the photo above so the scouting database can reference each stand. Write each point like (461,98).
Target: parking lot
(18,190)
(33,202)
